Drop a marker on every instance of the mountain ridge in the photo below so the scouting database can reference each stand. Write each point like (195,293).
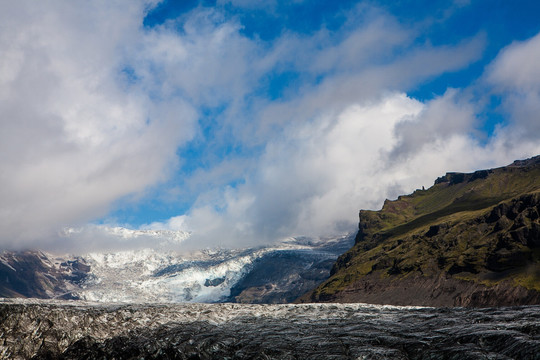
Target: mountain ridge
(277,273)
(472,239)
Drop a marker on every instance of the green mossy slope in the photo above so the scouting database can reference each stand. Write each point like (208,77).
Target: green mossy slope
(481,228)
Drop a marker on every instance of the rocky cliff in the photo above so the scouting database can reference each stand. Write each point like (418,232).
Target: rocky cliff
(469,240)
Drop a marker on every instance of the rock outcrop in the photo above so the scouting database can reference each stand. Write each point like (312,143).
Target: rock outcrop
(470,240)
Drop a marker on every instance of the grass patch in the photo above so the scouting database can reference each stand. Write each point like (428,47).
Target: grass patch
(444,230)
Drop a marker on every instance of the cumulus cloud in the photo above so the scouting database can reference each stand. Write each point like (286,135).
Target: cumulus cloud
(515,76)
(209,62)
(440,119)
(314,179)
(335,70)
(77,133)
(343,87)
(95,107)
(516,67)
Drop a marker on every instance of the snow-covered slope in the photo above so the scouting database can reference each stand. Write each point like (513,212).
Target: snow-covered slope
(268,274)
(152,276)
(209,275)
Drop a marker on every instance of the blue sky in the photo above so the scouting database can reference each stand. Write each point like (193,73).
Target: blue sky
(246,121)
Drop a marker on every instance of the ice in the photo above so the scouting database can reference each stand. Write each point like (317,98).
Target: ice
(133,276)
(53,329)
(151,275)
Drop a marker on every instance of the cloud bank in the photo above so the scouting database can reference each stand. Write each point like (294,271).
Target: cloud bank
(77,132)
(291,136)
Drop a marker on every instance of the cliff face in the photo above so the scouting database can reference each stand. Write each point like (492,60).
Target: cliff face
(469,240)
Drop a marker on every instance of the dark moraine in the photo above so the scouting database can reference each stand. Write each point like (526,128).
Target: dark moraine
(75,330)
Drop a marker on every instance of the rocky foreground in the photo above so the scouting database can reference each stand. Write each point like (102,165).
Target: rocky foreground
(75,330)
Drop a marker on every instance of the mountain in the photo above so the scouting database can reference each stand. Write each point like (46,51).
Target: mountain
(469,240)
(268,274)
(35,274)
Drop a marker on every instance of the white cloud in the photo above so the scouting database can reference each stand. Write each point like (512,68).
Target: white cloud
(209,61)
(94,107)
(91,238)
(343,87)
(175,223)
(348,62)
(441,118)
(515,76)
(516,66)
(315,178)
(75,136)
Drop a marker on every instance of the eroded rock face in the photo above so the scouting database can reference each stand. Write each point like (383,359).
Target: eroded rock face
(488,260)
(45,330)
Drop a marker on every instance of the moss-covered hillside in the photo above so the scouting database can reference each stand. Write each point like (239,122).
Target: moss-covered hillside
(470,239)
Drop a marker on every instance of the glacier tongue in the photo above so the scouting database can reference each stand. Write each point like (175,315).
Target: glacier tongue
(149,275)
(153,276)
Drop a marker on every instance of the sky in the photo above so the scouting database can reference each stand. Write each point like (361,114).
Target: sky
(245,122)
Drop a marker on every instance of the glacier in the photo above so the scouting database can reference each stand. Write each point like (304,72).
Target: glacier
(152,276)
(48,329)
(209,275)
(155,269)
